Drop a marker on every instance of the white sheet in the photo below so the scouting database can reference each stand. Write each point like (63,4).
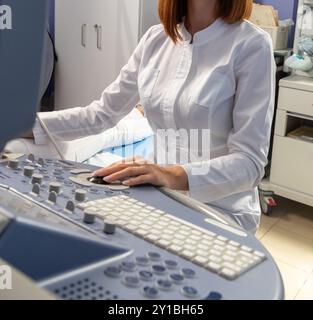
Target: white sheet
(133,128)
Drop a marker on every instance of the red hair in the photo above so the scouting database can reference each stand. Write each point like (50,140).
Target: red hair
(172,12)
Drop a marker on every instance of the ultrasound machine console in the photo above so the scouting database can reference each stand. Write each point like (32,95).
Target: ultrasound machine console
(79,239)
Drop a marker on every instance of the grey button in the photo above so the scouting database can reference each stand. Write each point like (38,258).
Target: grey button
(31,157)
(89,216)
(70,206)
(109,227)
(158,269)
(37,178)
(150,292)
(177,278)
(154,256)
(55,186)
(128,266)
(146,275)
(80,195)
(164,285)
(113,272)
(41,161)
(171,264)
(36,189)
(53,197)
(132,282)
(189,291)
(28,171)
(188,273)
(142,261)
(14,164)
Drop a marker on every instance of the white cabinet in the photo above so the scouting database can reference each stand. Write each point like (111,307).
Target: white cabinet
(94,39)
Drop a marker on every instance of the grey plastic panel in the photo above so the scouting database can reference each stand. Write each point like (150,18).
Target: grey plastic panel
(21,51)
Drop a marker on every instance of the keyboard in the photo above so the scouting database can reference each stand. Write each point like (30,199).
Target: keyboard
(216,253)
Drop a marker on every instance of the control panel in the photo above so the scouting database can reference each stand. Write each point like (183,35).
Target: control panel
(174,253)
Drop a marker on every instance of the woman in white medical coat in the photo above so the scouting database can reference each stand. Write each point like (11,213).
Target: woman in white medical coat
(205,67)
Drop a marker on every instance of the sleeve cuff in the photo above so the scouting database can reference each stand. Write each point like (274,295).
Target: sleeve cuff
(40,136)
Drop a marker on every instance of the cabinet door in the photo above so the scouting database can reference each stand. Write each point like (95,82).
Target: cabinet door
(72,69)
(119,22)
(111,35)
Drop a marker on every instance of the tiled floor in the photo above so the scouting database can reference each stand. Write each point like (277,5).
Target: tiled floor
(288,235)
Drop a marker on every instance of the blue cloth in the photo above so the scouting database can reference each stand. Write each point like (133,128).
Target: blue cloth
(139,149)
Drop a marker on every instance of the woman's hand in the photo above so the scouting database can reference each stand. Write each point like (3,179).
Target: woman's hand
(137,171)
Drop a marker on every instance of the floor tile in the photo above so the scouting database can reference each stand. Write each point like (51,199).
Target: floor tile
(306,292)
(290,248)
(299,219)
(293,278)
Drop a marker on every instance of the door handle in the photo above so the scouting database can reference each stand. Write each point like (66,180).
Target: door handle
(99,36)
(83,35)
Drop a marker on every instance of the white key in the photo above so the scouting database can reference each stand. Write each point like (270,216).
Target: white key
(190,241)
(142,232)
(196,232)
(194,237)
(246,254)
(218,248)
(215,252)
(232,248)
(234,243)
(228,258)
(203,247)
(200,260)
(221,238)
(174,248)
(165,236)
(214,267)
(131,227)
(179,236)
(177,242)
(187,254)
(164,243)
(260,254)
(189,247)
(152,237)
(228,273)
(231,253)
(150,208)
(183,233)
(215,259)
(245,248)
(185,228)
(232,266)
(203,253)
(160,212)
(219,243)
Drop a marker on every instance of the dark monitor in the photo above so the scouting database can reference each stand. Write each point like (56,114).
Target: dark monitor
(22,27)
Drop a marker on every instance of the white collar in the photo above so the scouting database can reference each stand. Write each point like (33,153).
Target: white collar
(202,36)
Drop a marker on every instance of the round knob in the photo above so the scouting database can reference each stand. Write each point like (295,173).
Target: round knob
(37,178)
(31,157)
(41,162)
(36,189)
(80,195)
(70,206)
(55,186)
(53,197)
(28,172)
(14,164)
(89,217)
(109,228)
